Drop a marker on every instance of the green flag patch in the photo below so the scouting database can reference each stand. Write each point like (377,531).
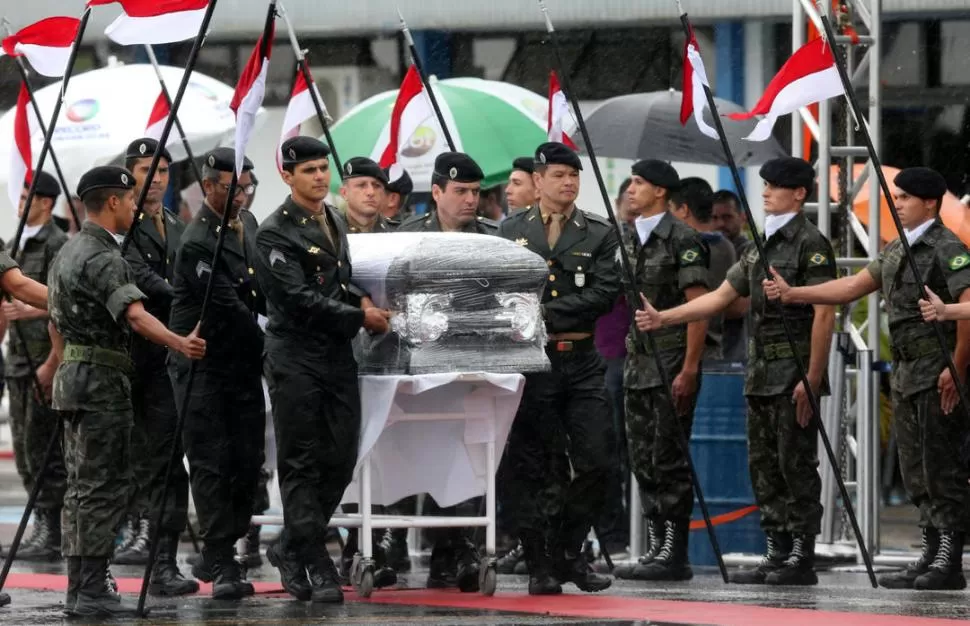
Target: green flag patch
(959,261)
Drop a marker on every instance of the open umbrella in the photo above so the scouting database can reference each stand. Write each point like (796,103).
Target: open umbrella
(647,126)
(105,109)
(492,121)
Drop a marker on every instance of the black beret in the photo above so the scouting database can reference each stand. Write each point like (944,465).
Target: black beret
(398,180)
(524,164)
(145,148)
(360,167)
(458,167)
(921,182)
(300,149)
(46,186)
(223,159)
(105,177)
(659,173)
(789,172)
(555,153)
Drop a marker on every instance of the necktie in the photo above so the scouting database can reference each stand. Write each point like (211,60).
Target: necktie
(554,223)
(159,223)
(237,226)
(325,227)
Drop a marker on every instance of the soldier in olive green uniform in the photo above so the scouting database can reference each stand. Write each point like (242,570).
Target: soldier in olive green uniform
(315,311)
(94,306)
(520,192)
(671,268)
(930,427)
(566,409)
(782,433)
(459,185)
(32,422)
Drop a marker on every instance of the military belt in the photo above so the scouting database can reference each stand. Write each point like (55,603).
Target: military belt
(916,349)
(573,345)
(98,356)
(778,351)
(666,343)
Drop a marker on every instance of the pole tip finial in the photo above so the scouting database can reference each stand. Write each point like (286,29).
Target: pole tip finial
(680,8)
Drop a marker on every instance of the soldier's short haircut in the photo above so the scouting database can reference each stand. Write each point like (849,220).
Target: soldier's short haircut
(697,195)
(95,199)
(726,196)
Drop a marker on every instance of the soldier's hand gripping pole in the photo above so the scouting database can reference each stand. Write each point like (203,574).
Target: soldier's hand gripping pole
(633,298)
(802,372)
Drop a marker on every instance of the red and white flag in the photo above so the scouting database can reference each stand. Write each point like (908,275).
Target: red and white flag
(408,113)
(21,160)
(158,117)
(154,21)
(46,44)
(250,90)
(299,110)
(809,76)
(695,79)
(558,113)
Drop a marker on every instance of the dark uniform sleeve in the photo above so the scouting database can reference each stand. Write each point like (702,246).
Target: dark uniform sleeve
(954,262)
(155,288)
(194,266)
(281,278)
(112,281)
(693,259)
(818,261)
(737,276)
(594,300)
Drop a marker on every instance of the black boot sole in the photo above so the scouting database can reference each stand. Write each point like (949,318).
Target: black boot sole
(951,583)
(182,588)
(300,594)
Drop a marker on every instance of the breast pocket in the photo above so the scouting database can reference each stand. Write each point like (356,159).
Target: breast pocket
(34,266)
(788,270)
(577,270)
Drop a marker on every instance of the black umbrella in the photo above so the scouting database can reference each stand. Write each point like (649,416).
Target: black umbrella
(647,126)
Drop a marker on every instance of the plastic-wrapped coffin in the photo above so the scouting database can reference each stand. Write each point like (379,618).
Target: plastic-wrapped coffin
(461,303)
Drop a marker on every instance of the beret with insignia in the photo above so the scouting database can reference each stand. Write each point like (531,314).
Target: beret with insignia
(789,172)
(145,148)
(458,167)
(921,182)
(399,181)
(105,177)
(46,186)
(301,149)
(555,153)
(659,173)
(524,164)
(362,167)
(223,159)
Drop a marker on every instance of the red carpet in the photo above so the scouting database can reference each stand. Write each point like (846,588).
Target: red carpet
(570,605)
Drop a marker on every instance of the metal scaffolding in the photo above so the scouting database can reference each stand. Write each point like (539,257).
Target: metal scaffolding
(853,408)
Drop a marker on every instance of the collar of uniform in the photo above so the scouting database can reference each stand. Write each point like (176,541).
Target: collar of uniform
(789,230)
(570,214)
(931,234)
(666,224)
(100,233)
(41,234)
(209,217)
(355,226)
(299,214)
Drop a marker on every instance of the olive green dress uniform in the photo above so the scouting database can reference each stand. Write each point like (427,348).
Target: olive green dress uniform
(428,223)
(566,408)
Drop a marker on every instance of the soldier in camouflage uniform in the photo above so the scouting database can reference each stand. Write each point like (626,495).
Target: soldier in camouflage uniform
(566,409)
(782,434)
(929,425)
(32,422)
(671,268)
(94,306)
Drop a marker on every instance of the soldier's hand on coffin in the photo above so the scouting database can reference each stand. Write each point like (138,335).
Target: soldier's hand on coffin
(949,396)
(366,303)
(647,318)
(776,288)
(193,346)
(683,389)
(932,307)
(375,320)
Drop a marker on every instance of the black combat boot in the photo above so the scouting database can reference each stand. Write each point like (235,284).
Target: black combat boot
(572,565)
(73,584)
(442,570)
(324,581)
(946,571)
(167,580)
(654,543)
(779,549)
(506,564)
(396,547)
(799,568)
(45,542)
(671,562)
(94,598)
(228,582)
(252,558)
(137,551)
(468,565)
(293,574)
(542,581)
(930,543)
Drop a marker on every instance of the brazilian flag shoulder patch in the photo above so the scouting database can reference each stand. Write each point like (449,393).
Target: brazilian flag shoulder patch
(959,261)
(690,255)
(818,259)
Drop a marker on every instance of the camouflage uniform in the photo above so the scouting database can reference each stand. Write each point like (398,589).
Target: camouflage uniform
(91,288)
(928,440)
(782,456)
(33,423)
(673,259)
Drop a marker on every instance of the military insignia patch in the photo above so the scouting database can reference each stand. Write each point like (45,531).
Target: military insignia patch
(292,153)
(212,161)
(201,268)
(542,158)
(818,259)
(690,256)
(522,241)
(453,173)
(124,179)
(959,261)
(142,148)
(349,169)
(274,256)
(314,250)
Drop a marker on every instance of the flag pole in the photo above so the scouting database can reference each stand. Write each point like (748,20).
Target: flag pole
(632,295)
(178,124)
(175,456)
(172,116)
(802,372)
(416,59)
(303,67)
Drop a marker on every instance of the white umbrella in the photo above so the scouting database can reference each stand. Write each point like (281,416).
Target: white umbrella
(106,109)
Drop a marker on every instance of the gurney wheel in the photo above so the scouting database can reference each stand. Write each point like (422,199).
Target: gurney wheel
(364,585)
(488,577)
(4,599)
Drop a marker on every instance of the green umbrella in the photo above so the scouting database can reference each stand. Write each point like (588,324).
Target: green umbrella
(494,122)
